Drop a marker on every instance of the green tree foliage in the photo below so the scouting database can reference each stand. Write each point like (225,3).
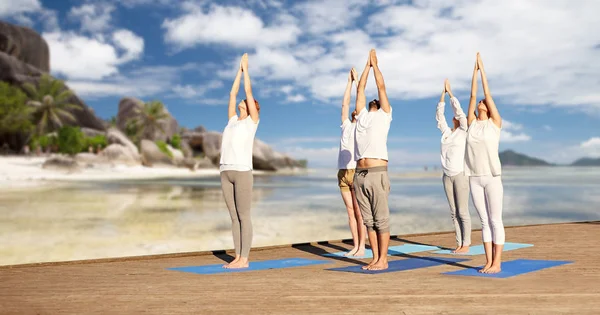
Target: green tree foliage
(94,142)
(147,120)
(176,141)
(15,115)
(51,102)
(71,140)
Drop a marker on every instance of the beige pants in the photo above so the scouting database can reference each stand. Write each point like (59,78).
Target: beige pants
(237,190)
(372,188)
(457,192)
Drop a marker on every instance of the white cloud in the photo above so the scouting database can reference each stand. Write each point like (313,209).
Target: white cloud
(511,132)
(132,44)
(10,8)
(234,26)
(591,147)
(191,91)
(419,45)
(93,17)
(547,128)
(296,98)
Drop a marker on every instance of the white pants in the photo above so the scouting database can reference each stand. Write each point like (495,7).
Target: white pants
(487,193)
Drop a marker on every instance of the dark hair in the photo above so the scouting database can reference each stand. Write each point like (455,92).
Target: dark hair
(255,103)
(374,103)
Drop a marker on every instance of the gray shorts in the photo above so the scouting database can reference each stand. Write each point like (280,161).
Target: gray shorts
(372,188)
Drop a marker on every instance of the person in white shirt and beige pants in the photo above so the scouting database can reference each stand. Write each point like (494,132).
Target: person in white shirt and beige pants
(346,171)
(236,165)
(456,184)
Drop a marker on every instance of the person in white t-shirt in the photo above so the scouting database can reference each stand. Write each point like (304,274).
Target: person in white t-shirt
(456,184)
(346,170)
(236,165)
(371,181)
(482,165)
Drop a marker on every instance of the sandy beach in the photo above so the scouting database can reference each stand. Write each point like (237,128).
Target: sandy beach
(20,171)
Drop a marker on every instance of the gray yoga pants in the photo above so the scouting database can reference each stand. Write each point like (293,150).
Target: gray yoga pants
(457,192)
(237,190)
(372,188)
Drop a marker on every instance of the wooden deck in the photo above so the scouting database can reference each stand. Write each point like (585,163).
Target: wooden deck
(142,285)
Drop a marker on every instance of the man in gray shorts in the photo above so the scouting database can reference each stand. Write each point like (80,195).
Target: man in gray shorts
(371,181)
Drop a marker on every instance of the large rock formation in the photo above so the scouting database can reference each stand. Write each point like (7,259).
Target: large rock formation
(24,57)
(126,112)
(263,156)
(152,155)
(26,45)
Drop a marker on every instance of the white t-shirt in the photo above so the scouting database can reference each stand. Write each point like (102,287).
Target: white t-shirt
(453,143)
(237,144)
(483,139)
(346,155)
(371,134)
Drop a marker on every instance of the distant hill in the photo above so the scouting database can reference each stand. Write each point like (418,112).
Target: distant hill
(512,158)
(587,162)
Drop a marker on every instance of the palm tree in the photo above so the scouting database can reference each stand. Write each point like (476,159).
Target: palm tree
(147,120)
(51,102)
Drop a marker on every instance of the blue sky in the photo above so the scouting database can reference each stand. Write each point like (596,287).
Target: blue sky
(540,57)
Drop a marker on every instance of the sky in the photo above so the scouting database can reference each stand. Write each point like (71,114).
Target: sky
(541,60)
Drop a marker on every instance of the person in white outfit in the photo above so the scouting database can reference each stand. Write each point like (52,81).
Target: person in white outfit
(346,170)
(236,165)
(482,165)
(456,184)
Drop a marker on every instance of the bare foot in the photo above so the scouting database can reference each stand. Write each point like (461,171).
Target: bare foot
(241,263)
(382,264)
(352,252)
(485,268)
(237,258)
(360,252)
(374,261)
(462,250)
(456,250)
(493,269)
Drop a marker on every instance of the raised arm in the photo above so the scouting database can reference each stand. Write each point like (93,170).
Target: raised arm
(439,114)
(346,101)
(493,110)
(252,111)
(361,99)
(458,112)
(383,99)
(233,94)
(473,100)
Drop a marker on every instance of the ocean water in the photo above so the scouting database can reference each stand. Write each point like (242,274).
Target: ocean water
(117,219)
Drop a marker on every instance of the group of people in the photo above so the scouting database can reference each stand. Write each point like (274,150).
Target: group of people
(469,158)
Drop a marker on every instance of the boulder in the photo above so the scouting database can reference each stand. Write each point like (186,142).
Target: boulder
(200,129)
(119,154)
(88,132)
(152,155)
(186,149)
(126,112)
(177,155)
(89,159)
(26,45)
(115,136)
(61,163)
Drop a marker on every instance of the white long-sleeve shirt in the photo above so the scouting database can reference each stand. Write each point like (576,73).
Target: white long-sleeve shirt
(453,143)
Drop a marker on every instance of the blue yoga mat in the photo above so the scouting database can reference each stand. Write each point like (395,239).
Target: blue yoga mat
(404,264)
(512,268)
(258,265)
(392,250)
(479,250)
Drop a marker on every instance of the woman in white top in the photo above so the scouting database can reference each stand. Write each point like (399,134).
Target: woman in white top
(456,184)
(482,165)
(236,165)
(346,170)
